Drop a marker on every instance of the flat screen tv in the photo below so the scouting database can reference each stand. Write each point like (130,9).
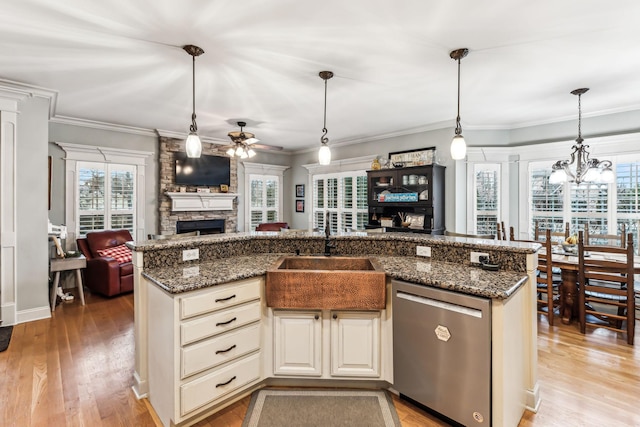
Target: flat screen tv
(205,170)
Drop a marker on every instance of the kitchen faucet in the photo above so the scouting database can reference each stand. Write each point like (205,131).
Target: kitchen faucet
(327,241)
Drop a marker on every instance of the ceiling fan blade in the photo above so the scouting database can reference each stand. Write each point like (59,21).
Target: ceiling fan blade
(266,147)
(251,140)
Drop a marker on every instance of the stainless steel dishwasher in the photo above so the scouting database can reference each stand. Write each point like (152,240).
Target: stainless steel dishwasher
(442,351)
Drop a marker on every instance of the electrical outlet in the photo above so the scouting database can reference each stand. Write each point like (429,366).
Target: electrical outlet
(190,254)
(423,251)
(475,257)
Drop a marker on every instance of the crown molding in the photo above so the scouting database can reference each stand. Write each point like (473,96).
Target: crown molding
(20,91)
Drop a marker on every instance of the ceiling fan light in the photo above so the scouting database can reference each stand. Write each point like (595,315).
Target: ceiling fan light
(251,152)
(324,155)
(239,150)
(231,151)
(458,148)
(193,146)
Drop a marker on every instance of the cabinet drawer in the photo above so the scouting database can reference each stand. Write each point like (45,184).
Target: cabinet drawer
(221,298)
(204,390)
(216,351)
(219,322)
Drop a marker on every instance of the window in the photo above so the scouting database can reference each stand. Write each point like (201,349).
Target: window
(486,198)
(343,197)
(263,194)
(587,204)
(264,205)
(107,190)
(106,197)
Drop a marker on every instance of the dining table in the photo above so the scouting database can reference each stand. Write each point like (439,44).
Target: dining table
(569,265)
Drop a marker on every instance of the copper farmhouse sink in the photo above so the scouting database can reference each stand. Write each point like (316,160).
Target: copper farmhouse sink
(312,282)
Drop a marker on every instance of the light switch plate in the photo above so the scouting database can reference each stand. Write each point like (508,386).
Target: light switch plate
(190,254)
(423,251)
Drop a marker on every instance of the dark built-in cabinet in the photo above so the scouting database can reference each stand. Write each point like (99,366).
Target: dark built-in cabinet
(416,191)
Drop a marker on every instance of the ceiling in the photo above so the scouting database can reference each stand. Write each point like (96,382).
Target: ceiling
(121,62)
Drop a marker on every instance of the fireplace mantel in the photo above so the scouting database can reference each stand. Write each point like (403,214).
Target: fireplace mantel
(183,202)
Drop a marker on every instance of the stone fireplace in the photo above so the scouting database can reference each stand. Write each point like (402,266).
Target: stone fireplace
(204,226)
(212,220)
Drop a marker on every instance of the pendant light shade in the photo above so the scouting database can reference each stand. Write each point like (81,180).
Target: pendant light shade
(193,146)
(324,155)
(458,144)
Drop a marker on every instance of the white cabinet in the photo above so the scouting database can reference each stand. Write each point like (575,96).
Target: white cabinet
(204,347)
(297,343)
(348,342)
(355,344)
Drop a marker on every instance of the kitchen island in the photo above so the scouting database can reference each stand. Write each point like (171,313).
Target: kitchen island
(165,283)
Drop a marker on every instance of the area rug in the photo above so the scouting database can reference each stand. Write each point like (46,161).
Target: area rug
(321,408)
(5,337)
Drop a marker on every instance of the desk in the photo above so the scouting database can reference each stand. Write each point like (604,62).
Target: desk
(569,266)
(67,264)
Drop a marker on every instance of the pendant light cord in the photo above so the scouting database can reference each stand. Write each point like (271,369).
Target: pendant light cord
(323,138)
(194,126)
(458,127)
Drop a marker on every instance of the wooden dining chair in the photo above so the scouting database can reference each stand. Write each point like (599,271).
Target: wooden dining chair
(605,287)
(558,236)
(619,240)
(546,288)
(501,231)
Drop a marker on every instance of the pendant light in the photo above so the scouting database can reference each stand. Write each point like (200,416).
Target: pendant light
(458,145)
(586,169)
(193,146)
(324,155)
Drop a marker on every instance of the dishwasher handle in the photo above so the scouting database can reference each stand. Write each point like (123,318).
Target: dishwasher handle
(468,311)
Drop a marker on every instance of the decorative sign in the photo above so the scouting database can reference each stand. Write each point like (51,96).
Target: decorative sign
(398,197)
(421,156)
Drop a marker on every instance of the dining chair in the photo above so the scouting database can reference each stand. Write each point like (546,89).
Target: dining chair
(501,231)
(559,236)
(605,287)
(473,236)
(608,239)
(546,287)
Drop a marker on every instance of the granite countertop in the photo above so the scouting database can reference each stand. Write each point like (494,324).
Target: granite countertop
(444,275)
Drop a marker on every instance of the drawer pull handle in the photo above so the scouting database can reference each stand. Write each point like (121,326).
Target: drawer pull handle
(226,323)
(224,351)
(221,384)
(225,299)
(316,317)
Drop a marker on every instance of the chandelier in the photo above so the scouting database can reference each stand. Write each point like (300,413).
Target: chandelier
(585,169)
(193,146)
(241,143)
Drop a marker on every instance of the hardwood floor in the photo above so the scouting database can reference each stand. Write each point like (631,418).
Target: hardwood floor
(76,369)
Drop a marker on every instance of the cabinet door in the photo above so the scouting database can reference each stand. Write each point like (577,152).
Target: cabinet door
(355,344)
(297,343)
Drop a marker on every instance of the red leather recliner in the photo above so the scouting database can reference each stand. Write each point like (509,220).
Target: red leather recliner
(271,226)
(104,274)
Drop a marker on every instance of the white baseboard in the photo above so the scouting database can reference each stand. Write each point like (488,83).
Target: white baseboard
(32,314)
(9,314)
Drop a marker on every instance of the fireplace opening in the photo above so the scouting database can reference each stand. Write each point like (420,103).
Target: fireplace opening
(204,226)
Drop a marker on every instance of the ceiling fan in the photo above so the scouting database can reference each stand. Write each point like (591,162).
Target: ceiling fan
(243,143)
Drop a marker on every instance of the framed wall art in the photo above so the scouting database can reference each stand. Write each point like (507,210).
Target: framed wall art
(300,190)
(299,205)
(417,157)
